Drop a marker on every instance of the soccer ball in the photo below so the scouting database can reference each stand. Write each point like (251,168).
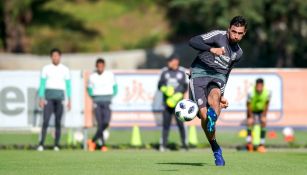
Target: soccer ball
(288,131)
(78,136)
(186,110)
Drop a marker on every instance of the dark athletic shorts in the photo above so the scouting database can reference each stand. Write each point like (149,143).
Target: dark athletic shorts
(200,87)
(257,114)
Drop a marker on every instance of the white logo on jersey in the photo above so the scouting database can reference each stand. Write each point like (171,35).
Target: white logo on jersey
(200,101)
(179,75)
(233,56)
(172,82)
(167,76)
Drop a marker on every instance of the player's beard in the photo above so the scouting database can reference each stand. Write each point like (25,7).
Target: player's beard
(231,41)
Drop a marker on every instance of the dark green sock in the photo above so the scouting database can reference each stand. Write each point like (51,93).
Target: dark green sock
(263,132)
(249,131)
(214,145)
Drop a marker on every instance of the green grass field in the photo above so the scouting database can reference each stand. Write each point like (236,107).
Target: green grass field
(282,158)
(122,137)
(134,162)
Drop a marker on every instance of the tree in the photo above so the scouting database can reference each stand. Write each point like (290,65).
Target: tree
(277,28)
(16,15)
(20,19)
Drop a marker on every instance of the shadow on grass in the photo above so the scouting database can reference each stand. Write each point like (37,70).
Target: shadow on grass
(183,163)
(168,170)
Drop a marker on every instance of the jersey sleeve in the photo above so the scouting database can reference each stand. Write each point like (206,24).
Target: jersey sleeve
(113,82)
(68,88)
(162,80)
(90,86)
(67,78)
(42,84)
(115,86)
(205,41)
(44,73)
(42,87)
(67,74)
(89,82)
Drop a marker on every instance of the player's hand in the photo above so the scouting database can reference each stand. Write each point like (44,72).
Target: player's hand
(41,103)
(69,105)
(224,102)
(218,51)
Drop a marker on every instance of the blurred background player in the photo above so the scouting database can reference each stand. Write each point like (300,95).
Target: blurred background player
(54,81)
(257,107)
(218,52)
(101,87)
(173,85)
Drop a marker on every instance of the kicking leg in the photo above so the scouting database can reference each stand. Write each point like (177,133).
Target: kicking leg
(203,94)
(198,94)
(219,161)
(212,113)
(214,99)
(214,110)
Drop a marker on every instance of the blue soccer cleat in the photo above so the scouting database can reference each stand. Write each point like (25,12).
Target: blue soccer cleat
(219,160)
(212,117)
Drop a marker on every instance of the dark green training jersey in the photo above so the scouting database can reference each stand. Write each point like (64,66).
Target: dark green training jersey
(208,64)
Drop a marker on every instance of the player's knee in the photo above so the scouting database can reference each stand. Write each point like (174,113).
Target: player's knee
(250,121)
(58,125)
(214,98)
(203,113)
(263,125)
(263,122)
(216,93)
(45,124)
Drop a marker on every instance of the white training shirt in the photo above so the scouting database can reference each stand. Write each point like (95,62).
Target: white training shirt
(102,84)
(55,76)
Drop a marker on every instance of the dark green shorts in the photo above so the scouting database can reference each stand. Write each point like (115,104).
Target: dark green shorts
(200,88)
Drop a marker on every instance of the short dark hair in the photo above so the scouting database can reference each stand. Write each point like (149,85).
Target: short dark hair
(55,50)
(238,21)
(173,57)
(100,61)
(259,81)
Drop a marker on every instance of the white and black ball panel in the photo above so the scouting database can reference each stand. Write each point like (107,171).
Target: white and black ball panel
(186,110)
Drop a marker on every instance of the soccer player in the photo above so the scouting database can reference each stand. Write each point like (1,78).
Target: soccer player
(101,87)
(173,84)
(54,82)
(218,52)
(257,107)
